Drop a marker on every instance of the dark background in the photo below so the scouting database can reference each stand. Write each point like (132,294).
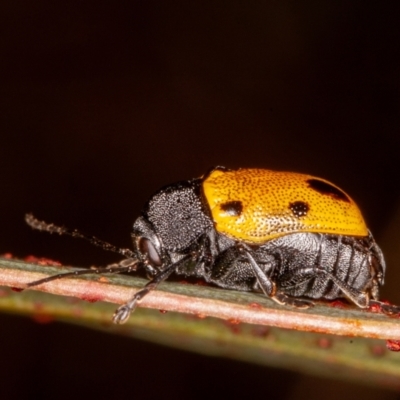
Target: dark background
(103,104)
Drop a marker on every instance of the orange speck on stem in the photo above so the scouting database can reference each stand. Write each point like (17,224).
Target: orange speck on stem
(42,318)
(42,261)
(261,331)
(7,255)
(324,343)
(393,345)
(378,350)
(375,308)
(89,298)
(338,304)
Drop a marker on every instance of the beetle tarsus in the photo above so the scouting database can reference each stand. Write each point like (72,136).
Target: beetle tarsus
(283,299)
(387,309)
(122,313)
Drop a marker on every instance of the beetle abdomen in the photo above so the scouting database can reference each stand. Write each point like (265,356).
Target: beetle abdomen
(317,266)
(311,265)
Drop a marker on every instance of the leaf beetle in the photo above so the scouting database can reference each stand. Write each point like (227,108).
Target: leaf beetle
(294,237)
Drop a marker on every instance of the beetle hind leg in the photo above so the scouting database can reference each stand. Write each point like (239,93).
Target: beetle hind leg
(388,309)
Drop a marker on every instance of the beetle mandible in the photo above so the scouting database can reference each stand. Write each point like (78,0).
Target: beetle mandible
(294,237)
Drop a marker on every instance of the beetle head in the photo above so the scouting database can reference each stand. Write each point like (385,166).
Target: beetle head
(171,222)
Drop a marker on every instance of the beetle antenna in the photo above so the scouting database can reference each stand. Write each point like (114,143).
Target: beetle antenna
(125,266)
(51,228)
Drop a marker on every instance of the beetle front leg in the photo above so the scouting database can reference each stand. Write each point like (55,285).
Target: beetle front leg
(123,312)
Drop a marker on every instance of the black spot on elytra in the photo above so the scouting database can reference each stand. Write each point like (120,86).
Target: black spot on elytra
(233,208)
(327,189)
(299,208)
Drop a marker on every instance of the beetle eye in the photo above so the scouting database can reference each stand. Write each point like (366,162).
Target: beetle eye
(147,247)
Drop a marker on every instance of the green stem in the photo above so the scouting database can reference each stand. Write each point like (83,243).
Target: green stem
(245,326)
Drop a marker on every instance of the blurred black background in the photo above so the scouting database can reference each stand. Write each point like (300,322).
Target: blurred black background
(102,104)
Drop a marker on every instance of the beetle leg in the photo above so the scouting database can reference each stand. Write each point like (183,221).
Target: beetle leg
(361,299)
(269,287)
(125,266)
(375,289)
(206,254)
(123,312)
(284,299)
(388,309)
